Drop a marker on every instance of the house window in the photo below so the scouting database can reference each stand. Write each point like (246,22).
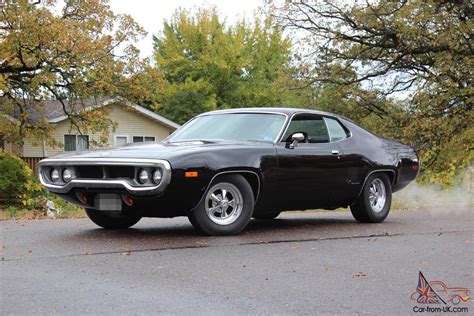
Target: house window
(121,140)
(76,142)
(141,139)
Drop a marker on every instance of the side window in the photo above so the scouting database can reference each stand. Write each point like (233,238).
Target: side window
(336,131)
(312,125)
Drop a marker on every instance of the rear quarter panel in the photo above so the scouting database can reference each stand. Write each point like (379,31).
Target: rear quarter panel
(367,152)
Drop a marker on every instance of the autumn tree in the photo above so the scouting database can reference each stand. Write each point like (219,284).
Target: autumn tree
(207,64)
(69,53)
(415,55)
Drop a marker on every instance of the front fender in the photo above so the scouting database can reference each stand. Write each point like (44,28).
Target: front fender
(261,164)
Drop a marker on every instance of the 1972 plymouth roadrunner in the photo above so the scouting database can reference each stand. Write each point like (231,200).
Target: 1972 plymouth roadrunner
(224,167)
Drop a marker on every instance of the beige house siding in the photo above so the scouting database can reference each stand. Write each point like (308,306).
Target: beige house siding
(132,123)
(16,149)
(129,123)
(32,150)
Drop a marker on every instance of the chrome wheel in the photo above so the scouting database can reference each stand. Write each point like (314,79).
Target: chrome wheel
(377,195)
(224,203)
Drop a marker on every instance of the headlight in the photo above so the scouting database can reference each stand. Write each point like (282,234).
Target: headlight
(143,176)
(54,175)
(67,175)
(157,175)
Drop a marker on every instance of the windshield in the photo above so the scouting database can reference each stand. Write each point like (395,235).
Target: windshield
(232,126)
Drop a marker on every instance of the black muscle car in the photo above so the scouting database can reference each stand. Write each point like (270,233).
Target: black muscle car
(224,167)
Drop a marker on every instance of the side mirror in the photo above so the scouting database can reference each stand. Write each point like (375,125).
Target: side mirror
(296,138)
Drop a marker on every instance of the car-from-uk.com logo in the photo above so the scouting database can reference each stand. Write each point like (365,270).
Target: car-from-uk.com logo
(437,297)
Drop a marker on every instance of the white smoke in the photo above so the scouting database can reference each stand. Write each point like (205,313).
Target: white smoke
(435,199)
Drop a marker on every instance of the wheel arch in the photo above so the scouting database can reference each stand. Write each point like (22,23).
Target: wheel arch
(391,174)
(252,177)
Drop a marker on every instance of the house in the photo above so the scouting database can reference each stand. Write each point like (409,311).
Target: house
(134,124)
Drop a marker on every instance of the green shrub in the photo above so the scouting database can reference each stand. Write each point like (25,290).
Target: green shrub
(17,183)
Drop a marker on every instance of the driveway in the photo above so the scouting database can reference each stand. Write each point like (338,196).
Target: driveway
(300,263)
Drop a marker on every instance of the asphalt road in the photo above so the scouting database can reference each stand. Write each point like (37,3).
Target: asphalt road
(300,263)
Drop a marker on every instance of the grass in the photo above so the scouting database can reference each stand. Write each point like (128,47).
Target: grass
(20,212)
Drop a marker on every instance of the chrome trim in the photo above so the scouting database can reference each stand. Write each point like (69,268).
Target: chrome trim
(226,172)
(283,129)
(105,183)
(221,203)
(234,111)
(367,177)
(378,195)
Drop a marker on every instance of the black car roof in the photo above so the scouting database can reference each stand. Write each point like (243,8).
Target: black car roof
(286,111)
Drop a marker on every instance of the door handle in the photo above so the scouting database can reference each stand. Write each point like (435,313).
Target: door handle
(335,152)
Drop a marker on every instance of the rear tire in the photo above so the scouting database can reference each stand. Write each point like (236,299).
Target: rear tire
(264,216)
(373,204)
(121,221)
(226,208)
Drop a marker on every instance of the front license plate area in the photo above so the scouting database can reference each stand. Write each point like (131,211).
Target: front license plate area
(108,202)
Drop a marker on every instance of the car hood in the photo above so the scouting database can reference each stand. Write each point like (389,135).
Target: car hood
(161,150)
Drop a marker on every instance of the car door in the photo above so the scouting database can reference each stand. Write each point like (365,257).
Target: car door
(353,164)
(310,174)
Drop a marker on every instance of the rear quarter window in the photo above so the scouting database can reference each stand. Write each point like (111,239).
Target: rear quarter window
(335,129)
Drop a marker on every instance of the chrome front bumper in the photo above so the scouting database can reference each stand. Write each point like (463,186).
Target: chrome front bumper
(85,184)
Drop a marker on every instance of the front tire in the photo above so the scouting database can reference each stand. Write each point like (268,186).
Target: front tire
(226,208)
(121,221)
(373,205)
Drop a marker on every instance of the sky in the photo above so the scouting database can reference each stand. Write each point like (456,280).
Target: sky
(151,14)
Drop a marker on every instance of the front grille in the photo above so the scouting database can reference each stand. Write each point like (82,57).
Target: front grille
(105,172)
(90,172)
(120,172)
